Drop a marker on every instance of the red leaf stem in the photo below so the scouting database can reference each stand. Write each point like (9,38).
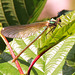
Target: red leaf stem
(37,57)
(12,53)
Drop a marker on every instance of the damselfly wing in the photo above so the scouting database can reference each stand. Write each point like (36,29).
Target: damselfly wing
(24,31)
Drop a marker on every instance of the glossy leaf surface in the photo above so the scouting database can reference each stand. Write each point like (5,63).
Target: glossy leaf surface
(53,61)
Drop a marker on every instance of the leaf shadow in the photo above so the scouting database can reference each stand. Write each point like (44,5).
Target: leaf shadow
(28,64)
(68,70)
(5,57)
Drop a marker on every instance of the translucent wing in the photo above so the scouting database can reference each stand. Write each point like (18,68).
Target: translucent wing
(23,31)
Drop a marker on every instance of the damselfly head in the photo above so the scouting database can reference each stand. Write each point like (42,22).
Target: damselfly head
(52,21)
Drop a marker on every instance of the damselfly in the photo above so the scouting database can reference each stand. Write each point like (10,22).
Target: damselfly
(24,31)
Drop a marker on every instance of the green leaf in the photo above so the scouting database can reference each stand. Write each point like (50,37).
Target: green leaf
(62,41)
(60,33)
(19,12)
(50,63)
